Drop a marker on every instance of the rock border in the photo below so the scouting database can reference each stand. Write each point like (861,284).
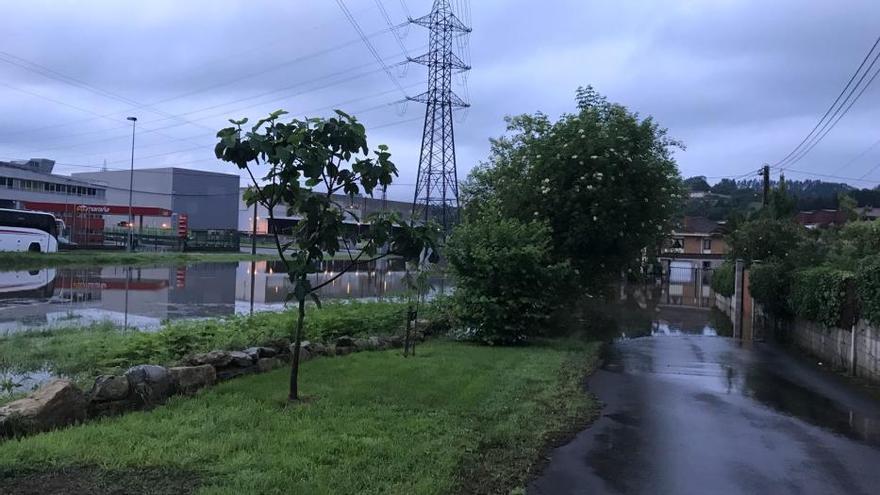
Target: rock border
(59,402)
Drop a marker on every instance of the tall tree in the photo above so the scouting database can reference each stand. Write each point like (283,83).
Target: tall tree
(603,179)
(331,155)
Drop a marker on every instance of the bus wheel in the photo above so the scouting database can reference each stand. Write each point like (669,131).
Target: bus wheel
(34,247)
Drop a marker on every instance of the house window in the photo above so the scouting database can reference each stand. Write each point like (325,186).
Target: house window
(707,244)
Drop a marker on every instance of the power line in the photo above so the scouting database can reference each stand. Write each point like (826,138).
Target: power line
(58,76)
(179,164)
(397,37)
(830,176)
(247,75)
(405,8)
(822,121)
(369,45)
(830,125)
(227,112)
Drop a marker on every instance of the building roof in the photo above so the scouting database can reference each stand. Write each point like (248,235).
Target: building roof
(701,225)
(821,218)
(17,172)
(157,170)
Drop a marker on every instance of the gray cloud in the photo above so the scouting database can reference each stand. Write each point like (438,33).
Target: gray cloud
(740,82)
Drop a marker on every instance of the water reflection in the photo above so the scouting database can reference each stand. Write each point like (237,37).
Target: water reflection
(678,306)
(145,297)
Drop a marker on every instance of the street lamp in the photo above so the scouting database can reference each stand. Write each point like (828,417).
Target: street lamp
(131,187)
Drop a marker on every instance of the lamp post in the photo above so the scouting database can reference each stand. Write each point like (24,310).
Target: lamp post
(131,188)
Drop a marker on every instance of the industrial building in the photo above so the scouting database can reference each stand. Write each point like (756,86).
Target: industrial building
(359,206)
(32,185)
(208,199)
(190,208)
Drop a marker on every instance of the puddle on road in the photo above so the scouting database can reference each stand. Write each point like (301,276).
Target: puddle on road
(633,315)
(792,399)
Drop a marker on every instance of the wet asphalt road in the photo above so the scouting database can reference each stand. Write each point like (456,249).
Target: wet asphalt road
(705,415)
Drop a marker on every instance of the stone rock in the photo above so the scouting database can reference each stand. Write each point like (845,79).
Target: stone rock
(361,345)
(235,372)
(150,383)
(218,359)
(189,379)
(315,348)
(113,407)
(343,351)
(241,359)
(396,341)
(304,354)
(109,388)
(281,345)
(268,364)
(375,343)
(344,341)
(384,342)
(56,404)
(260,352)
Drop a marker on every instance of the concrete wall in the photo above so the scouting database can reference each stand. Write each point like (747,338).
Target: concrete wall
(834,345)
(724,304)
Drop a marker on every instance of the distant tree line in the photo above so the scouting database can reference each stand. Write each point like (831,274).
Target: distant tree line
(736,199)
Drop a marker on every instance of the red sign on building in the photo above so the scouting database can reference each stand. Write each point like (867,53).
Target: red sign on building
(146,211)
(182,225)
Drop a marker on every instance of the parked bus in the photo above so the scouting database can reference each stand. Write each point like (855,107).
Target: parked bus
(31,231)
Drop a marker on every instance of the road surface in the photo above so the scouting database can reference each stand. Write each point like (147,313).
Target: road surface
(706,415)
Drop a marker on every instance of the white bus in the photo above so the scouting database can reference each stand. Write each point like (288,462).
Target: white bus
(31,231)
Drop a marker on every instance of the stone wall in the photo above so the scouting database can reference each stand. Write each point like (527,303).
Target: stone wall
(834,346)
(60,402)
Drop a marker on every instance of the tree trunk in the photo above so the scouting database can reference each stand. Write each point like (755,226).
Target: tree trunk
(294,362)
(406,340)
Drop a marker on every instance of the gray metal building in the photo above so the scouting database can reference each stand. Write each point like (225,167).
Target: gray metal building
(209,199)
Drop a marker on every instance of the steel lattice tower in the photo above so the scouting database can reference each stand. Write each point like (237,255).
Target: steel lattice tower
(436,195)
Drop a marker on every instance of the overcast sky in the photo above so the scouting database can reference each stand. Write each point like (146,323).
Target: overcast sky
(740,82)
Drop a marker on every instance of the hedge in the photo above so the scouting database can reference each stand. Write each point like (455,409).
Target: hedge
(868,288)
(819,294)
(723,279)
(770,285)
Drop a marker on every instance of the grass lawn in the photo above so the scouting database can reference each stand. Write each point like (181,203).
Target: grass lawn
(24,260)
(81,353)
(456,418)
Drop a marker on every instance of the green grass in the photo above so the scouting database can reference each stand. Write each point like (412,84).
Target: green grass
(23,260)
(83,353)
(456,418)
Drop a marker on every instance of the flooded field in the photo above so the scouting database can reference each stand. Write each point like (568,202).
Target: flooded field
(144,297)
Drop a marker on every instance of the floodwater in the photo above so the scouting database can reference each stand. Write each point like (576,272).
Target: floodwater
(145,297)
(687,409)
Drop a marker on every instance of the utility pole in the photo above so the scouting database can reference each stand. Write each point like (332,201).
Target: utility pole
(436,194)
(131,189)
(766,172)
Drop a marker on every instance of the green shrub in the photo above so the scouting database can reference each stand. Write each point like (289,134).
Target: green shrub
(820,294)
(853,242)
(868,288)
(766,239)
(770,284)
(723,279)
(507,282)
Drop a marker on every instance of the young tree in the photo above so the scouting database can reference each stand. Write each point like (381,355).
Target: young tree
(331,154)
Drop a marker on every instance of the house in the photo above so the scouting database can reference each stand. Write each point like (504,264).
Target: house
(697,243)
(821,218)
